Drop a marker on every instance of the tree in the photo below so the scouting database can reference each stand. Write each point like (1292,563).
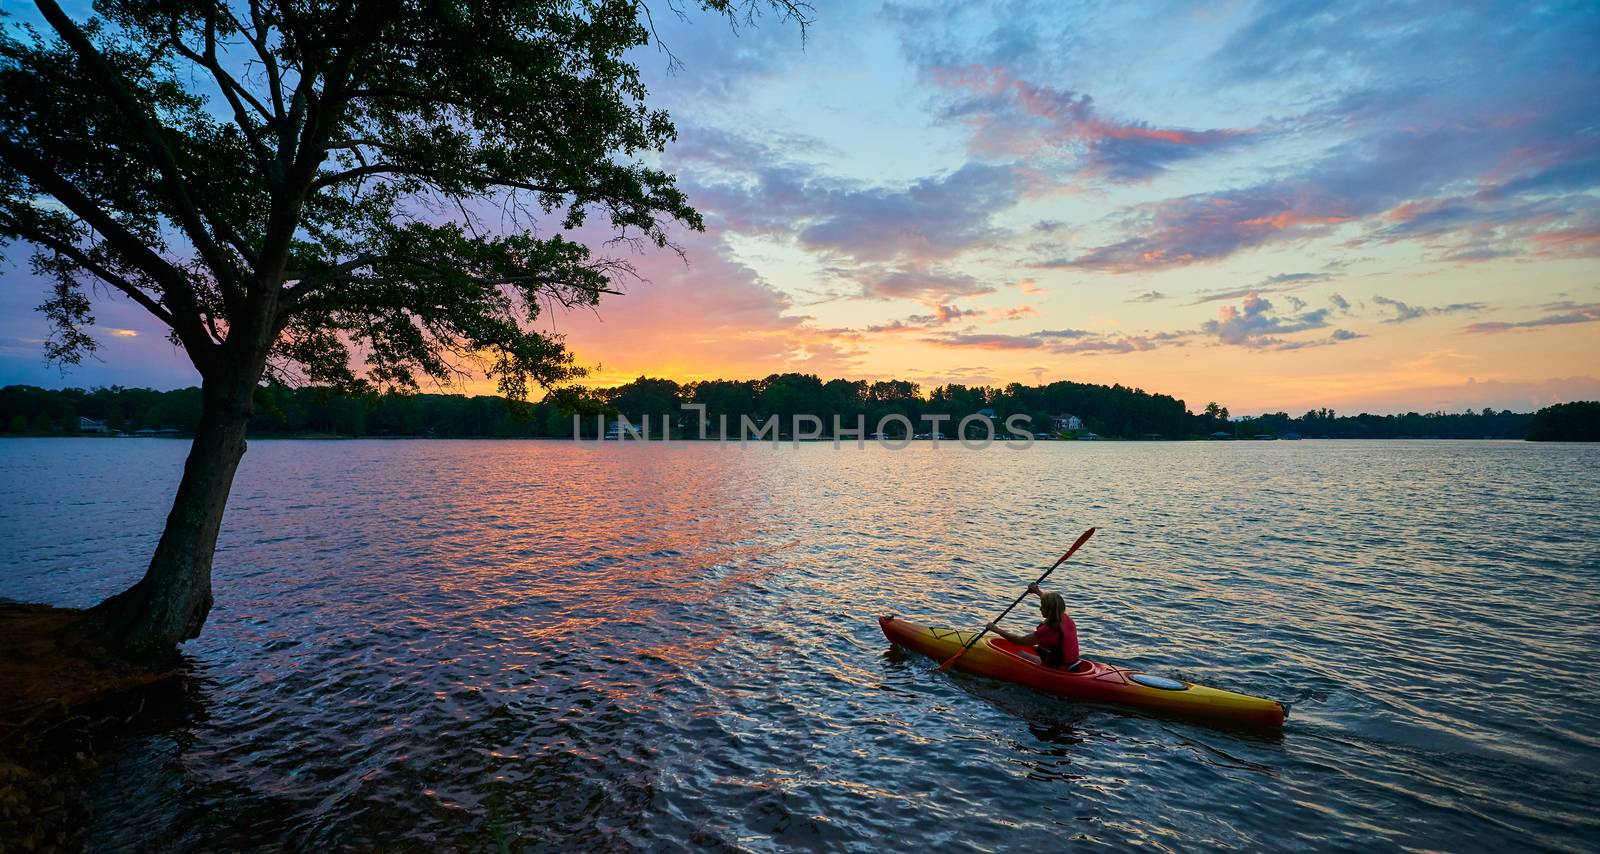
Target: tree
(1578,421)
(287,183)
(646,396)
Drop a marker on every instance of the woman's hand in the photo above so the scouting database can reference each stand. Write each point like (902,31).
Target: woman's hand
(994,627)
(1033,588)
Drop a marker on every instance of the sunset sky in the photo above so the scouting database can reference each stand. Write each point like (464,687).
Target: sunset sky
(1368,206)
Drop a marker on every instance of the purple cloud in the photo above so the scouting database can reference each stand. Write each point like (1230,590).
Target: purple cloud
(1414,145)
(1255,325)
(1404,312)
(1579,314)
(942,315)
(889,240)
(1280,283)
(1061,341)
(1013,118)
(931,219)
(918,283)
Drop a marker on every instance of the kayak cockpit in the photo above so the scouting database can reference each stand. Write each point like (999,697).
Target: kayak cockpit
(1084,667)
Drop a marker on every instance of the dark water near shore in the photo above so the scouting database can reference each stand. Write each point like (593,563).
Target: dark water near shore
(459,645)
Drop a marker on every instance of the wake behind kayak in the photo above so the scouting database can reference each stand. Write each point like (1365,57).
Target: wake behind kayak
(998,658)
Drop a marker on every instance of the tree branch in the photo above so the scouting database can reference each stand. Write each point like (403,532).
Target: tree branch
(188,212)
(83,260)
(259,42)
(232,90)
(175,287)
(431,175)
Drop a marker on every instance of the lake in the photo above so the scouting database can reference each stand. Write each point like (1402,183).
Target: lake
(462,645)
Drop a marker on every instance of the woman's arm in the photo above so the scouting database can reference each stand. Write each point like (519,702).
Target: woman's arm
(1025,640)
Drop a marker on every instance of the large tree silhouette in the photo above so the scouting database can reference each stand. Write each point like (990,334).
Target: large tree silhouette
(291,185)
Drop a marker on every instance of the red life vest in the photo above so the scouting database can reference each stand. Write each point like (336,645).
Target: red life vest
(1057,645)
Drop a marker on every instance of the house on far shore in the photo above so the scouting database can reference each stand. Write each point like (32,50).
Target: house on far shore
(1067,423)
(89,425)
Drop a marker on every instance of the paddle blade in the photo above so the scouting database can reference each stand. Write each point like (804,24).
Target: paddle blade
(952,660)
(1082,538)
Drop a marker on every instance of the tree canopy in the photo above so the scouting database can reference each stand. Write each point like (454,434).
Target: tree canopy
(298,179)
(1578,421)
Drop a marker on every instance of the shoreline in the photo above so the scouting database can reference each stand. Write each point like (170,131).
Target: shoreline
(331,437)
(58,702)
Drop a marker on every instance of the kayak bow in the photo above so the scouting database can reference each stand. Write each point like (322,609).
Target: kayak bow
(998,658)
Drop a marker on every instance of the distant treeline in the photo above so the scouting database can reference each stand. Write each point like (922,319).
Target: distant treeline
(1578,421)
(1108,411)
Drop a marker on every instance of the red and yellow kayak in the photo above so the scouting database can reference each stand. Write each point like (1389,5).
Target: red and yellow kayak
(998,658)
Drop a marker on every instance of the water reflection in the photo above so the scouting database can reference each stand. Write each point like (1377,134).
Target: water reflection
(470,645)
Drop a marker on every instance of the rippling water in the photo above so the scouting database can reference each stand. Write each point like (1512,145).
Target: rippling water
(471,644)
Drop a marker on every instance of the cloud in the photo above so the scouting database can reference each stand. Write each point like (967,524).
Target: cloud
(946,315)
(1404,312)
(1147,296)
(889,241)
(988,341)
(943,315)
(754,189)
(1063,333)
(1468,256)
(1255,325)
(1578,242)
(1295,278)
(713,315)
(1060,341)
(1281,283)
(1009,117)
(931,219)
(1402,141)
(713,62)
(922,284)
(1208,227)
(1578,314)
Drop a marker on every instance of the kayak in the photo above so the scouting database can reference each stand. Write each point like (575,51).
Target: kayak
(998,658)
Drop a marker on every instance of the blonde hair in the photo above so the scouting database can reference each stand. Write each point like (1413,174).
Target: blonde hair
(1052,605)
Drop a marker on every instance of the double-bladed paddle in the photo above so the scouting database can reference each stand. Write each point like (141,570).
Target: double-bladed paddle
(1081,540)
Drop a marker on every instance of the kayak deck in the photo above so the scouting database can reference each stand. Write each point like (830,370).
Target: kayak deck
(998,658)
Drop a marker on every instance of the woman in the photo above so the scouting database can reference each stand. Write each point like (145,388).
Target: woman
(1056,639)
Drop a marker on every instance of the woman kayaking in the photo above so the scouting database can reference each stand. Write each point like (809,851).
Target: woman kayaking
(1056,639)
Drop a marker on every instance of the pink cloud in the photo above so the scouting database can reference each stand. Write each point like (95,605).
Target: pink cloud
(710,316)
(1012,117)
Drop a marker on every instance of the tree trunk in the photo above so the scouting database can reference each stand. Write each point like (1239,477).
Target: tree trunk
(169,605)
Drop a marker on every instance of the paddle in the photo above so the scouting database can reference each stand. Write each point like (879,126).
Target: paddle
(1081,540)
